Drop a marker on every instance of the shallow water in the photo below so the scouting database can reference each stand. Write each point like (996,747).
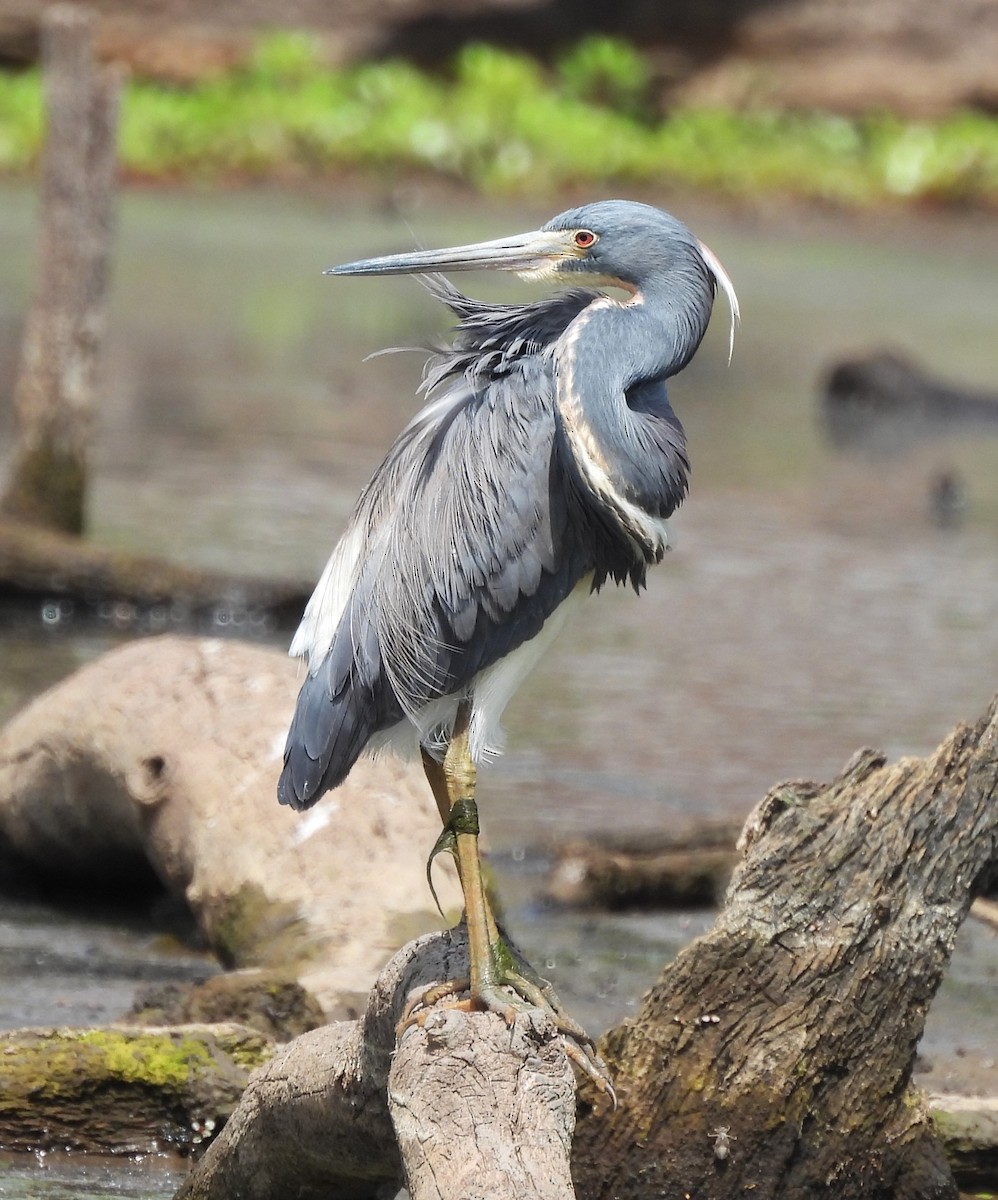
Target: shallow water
(58,1176)
(812,606)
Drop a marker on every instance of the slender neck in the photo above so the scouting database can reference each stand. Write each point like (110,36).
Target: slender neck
(670,318)
(627,443)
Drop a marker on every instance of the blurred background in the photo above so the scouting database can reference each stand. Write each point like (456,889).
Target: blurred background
(835,583)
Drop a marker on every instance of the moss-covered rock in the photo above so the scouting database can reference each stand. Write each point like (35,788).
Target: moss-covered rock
(120,1089)
(272,1002)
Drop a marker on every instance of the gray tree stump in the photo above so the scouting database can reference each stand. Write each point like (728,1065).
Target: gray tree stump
(54,395)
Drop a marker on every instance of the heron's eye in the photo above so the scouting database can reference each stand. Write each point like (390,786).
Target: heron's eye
(585,238)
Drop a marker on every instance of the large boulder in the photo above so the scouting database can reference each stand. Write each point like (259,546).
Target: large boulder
(165,753)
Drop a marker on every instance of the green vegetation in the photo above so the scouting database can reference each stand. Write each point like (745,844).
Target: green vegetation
(504,124)
(159,1060)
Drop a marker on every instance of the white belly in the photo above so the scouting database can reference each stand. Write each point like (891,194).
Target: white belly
(489,692)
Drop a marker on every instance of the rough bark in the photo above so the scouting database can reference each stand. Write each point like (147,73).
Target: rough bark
(793,1023)
(480,1110)
(55,392)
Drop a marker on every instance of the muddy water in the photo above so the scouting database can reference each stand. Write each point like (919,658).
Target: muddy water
(813,605)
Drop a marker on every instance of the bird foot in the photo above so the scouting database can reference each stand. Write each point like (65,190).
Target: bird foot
(515,995)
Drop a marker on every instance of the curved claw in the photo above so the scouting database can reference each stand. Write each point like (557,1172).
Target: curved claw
(517,994)
(542,995)
(589,1061)
(426,999)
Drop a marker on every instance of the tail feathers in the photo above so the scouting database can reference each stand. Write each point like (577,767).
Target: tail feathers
(330,729)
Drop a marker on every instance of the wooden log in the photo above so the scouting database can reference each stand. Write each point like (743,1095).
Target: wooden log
(38,564)
(54,398)
(886,400)
(792,1025)
(675,870)
(463,1107)
(687,871)
(772,1059)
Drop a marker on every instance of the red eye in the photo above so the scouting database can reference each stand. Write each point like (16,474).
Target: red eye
(585,238)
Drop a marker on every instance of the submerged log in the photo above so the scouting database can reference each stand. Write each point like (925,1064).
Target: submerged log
(38,565)
(683,870)
(122,1090)
(772,1059)
(968,1126)
(54,399)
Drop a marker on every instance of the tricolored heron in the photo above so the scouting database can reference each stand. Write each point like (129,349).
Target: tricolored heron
(545,463)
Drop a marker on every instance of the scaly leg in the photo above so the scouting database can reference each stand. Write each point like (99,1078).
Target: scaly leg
(493,966)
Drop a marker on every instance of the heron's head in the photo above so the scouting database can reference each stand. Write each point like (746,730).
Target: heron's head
(613,241)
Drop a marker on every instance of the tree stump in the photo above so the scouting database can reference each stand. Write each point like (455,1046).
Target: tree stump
(462,1107)
(774,1055)
(772,1059)
(54,396)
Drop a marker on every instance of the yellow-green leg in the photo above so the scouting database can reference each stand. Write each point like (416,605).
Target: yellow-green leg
(497,981)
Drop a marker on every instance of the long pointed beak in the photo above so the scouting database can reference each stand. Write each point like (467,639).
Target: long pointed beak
(726,286)
(522,252)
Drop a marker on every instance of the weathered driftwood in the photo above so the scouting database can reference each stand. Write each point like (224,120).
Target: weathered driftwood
(38,564)
(793,1023)
(161,757)
(478,1110)
(772,1059)
(54,399)
(120,1089)
(674,870)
